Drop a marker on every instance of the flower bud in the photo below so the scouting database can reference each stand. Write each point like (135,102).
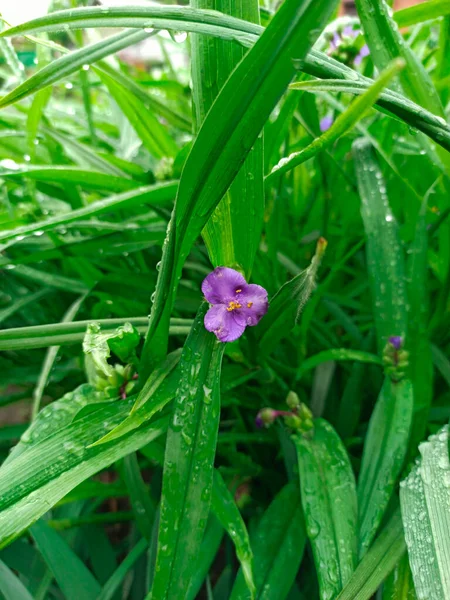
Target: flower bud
(265,417)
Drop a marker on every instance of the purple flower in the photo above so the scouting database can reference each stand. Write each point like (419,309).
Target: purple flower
(349,31)
(362,54)
(235,303)
(326,123)
(396,341)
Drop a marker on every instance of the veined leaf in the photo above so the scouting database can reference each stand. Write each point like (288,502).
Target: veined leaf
(188,463)
(329,503)
(424,499)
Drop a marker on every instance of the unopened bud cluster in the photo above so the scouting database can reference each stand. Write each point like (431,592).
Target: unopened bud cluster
(298,418)
(395,358)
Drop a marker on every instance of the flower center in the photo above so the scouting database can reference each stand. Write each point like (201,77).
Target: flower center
(233,305)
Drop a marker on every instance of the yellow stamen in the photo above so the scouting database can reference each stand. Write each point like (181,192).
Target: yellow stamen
(249,304)
(238,291)
(233,305)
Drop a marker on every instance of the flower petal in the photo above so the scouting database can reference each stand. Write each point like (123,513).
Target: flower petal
(223,324)
(254,304)
(219,287)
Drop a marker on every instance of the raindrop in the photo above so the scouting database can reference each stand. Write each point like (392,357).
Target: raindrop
(69,85)
(26,157)
(85,67)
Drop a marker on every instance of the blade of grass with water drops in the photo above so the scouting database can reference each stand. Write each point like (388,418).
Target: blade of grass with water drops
(188,463)
(384,253)
(278,545)
(424,499)
(42,474)
(328,493)
(233,232)
(385,449)
(226,511)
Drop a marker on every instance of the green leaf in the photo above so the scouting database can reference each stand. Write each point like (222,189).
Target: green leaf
(225,509)
(340,78)
(278,546)
(384,252)
(161,194)
(223,142)
(141,502)
(420,353)
(43,474)
(426,11)
(113,583)
(424,499)
(206,556)
(159,389)
(188,463)
(232,234)
(41,336)
(380,560)
(50,359)
(337,354)
(344,122)
(10,585)
(74,175)
(69,63)
(55,417)
(153,135)
(399,584)
(384,454)
(329,503)
(72,576)
(386,43)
